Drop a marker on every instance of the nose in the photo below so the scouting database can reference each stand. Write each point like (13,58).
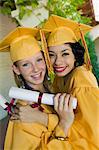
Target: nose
(34,67)
(58,60)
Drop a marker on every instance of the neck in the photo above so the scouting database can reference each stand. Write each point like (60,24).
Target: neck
(38,87)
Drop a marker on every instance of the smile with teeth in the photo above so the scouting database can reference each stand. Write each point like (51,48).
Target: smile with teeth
(60,69)
(36,76)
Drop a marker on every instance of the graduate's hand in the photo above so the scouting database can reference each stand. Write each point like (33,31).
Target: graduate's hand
(31,115)
(63,107)
(15,113)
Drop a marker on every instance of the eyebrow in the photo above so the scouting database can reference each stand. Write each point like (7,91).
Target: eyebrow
(64,50)
(51,51)
(61,51)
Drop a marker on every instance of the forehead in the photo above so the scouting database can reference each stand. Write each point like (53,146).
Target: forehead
(60,48)
(38,54)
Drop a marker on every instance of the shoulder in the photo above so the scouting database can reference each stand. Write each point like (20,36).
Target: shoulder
(83,77)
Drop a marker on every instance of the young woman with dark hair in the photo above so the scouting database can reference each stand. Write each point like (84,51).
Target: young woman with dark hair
(72,76)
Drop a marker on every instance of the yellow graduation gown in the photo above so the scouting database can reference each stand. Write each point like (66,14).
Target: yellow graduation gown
(27,136)
(84,133)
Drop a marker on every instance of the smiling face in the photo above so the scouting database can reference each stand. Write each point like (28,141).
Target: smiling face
(32,69)
(62,59)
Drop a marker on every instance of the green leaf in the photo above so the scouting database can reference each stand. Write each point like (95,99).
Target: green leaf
(51,77)
(6,11)
(34,4)
(22,12)
(28,12)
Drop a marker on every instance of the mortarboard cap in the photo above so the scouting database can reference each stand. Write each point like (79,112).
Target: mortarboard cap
(60,36)
(21,43)
(56,21)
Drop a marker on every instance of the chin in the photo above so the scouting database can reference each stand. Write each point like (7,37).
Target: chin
(62,74)
(38,81)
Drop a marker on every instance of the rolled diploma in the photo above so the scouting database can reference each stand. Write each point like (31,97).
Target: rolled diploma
(2,102)
(33,96)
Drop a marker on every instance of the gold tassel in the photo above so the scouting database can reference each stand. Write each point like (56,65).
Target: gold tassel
(86,57)
(5,48)
(51,73)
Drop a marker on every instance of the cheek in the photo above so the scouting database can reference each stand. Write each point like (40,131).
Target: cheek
(70,59)
(42,66)
(52,60)
(24,71)
(24,74)
(73,59)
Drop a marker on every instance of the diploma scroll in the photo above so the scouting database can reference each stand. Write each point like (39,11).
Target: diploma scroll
(6,105)
(3,102)
(33,96)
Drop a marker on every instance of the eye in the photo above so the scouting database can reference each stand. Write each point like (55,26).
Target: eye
(26,64)
(39,59)
(51,55)
(65,54)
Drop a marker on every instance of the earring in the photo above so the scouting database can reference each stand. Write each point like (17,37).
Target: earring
(76,64)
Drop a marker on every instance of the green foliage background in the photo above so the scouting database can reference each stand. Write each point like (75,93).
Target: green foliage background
(64,8)
(93,57)
(68,9)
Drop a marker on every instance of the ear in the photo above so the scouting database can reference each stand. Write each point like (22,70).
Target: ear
(75,60)
(16,69)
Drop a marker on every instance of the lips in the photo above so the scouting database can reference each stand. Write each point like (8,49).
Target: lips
(36,76)
(59,69)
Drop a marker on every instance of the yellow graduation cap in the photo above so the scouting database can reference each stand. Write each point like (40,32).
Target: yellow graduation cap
(21,43)
(61,35)
(64,30)
(56,21)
